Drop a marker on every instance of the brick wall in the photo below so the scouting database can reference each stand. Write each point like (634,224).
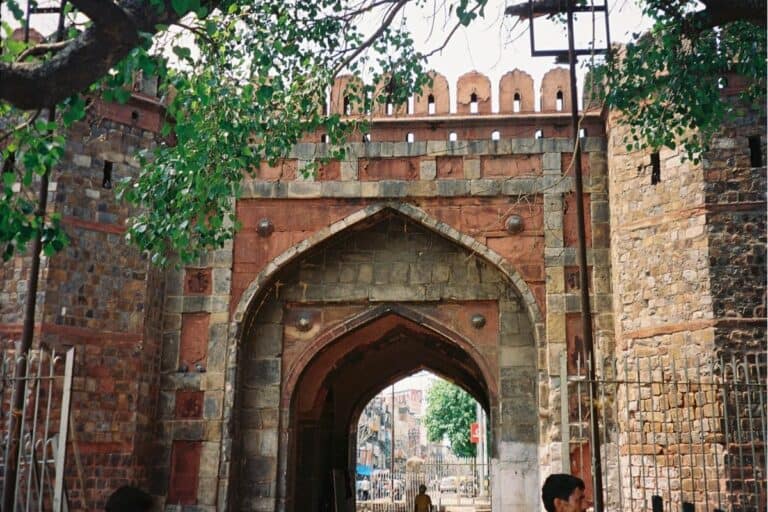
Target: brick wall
(688,272)
(102,297)
(170,374)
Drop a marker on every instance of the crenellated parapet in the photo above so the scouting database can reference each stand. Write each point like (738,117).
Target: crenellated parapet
(435,99)
(474,96)
(555,91)
(516,92)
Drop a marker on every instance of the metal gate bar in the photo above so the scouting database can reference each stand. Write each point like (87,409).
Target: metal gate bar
(47,390)
(688,432)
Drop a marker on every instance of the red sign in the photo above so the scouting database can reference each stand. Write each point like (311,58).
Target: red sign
(474,433)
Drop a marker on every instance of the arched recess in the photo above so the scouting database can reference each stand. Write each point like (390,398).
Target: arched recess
(332,388)
(261,359)
(247,299)
(410,316)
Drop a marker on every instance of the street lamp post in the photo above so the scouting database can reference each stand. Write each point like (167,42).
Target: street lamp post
(531,10)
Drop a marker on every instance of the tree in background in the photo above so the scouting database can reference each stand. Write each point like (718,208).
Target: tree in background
(450,413)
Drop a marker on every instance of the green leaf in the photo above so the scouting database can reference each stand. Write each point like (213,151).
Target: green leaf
(181,7)
(182,52)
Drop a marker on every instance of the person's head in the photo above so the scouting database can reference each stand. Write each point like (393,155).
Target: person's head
(564,493)
(422,489)
(128,499)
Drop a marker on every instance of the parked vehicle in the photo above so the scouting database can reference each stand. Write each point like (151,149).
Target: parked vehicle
(468,486)
(449,484)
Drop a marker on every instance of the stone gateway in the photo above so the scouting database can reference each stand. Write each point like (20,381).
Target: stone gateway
(446,242)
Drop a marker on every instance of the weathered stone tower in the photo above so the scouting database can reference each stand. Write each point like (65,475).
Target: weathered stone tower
(688,245)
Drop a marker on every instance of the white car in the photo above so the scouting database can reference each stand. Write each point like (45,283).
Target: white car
(449,484)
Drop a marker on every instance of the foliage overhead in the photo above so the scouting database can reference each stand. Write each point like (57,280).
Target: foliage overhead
(244,82)
(668,83)
(450,413)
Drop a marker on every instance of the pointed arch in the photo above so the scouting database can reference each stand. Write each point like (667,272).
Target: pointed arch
(248,305)
(294,372)
(412,213)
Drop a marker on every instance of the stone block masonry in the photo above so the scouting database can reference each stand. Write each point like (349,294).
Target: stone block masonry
(689,275)
(445,242)
(103,297)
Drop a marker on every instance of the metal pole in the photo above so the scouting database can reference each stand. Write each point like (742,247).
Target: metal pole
(586,310)
(565,427)
(392,455)
(61,448)
(17,398)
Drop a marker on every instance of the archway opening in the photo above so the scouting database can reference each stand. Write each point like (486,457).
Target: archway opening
(336,385)
(303,326)
(422,430)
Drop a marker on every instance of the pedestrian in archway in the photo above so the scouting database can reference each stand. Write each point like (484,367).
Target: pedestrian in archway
(422,502)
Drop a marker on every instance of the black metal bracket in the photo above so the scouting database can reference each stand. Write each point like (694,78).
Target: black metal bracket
(536,10)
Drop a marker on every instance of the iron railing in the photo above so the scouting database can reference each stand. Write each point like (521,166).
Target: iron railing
(676,433)
(46,387)
(456,483)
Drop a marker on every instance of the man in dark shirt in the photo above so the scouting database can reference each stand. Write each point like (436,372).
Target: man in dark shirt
(564,493)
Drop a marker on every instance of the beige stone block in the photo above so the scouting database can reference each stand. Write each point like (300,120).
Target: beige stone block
(553,357)
(471,168)
(427,169)
(261,397)
(212,381)
(260,442)
(82,160)
(206,490)
(348,169)
(517,356)
(369,189)
(213,431)
(555,280)
(518,340)
(556,328)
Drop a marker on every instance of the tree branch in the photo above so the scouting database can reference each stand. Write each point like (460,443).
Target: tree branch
(386,22)
(721,12)
(89,56)
(42,49)
(31,119)
(450,35)
(718,13)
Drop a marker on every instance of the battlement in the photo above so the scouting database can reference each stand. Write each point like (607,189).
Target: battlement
(473,96)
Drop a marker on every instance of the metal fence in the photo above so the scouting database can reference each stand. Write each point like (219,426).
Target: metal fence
(676,433)
(457,484)
(47,384)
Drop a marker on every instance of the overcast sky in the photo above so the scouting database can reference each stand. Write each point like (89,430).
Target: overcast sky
(491,45)
(496,44)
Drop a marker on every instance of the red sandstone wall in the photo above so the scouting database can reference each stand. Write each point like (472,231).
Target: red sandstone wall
(295,220)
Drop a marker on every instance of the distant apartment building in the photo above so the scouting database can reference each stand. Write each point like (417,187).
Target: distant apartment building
(375,432)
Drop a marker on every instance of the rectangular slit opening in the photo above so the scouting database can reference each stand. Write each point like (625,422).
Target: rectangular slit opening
(755,151)
(106,181)
(655,168)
